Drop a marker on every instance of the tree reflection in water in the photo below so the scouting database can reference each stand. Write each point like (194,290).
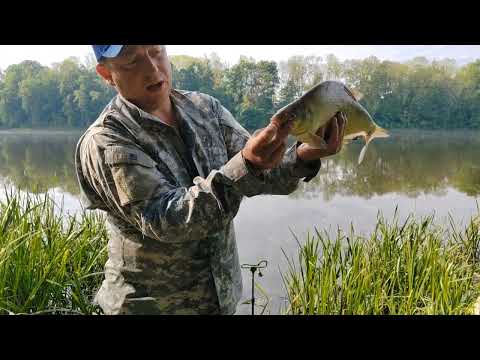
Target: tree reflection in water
(410,162)
(39,161)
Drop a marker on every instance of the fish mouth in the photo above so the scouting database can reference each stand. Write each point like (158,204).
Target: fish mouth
(155,87)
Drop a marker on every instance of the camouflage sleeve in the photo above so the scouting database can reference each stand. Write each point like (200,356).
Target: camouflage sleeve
(280,181)
(133,188)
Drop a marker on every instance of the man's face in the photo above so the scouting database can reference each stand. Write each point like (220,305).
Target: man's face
(141,74)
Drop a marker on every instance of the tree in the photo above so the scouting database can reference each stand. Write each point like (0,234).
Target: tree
(68,73)
(469,94)
(11,110)
(251,86)
(41,99)
(297,75)
(334,68)
(90,62)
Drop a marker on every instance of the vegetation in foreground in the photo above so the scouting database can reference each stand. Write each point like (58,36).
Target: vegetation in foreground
(52,263)
(409,268)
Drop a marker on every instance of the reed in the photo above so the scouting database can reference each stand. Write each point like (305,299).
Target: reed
(50,262)
(410,268)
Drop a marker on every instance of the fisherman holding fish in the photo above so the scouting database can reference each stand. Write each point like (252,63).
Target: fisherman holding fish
(170,168)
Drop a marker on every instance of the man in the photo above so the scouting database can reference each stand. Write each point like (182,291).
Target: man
(170,169)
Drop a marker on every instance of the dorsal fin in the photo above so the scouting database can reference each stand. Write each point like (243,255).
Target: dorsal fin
(354,93)
(357,94)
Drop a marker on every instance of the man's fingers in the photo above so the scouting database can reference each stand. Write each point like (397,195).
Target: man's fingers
(274,128)
(278,139)
(343,116)
(329,131)
(278,154)
(321,132)
(333,132)
(267,134)
(333,141)
(342,126)
(282,133)
(275,121)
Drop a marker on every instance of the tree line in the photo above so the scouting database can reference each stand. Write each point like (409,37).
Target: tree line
(415,94)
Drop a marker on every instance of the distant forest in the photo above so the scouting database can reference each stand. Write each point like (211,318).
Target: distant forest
(415,94)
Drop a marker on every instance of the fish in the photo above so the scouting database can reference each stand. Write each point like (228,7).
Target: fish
(317,106)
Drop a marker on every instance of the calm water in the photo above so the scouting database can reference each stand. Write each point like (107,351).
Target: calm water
(420,172)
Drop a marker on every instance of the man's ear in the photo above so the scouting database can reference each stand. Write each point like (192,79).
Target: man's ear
(105,73)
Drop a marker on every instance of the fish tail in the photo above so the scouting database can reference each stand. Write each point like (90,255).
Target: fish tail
(377,133)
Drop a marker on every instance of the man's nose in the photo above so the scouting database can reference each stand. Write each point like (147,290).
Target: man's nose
(151,65)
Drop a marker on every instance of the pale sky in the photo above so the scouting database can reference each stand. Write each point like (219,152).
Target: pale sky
(48,54)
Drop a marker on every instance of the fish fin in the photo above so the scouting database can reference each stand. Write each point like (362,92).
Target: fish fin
(354,93)
(357,94)
(380,133)
(362,153)
(377,133)
(315,141)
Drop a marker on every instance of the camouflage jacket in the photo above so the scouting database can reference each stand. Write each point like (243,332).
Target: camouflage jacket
(170,198)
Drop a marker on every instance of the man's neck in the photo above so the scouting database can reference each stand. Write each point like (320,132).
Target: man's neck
(166,115)
(164,111)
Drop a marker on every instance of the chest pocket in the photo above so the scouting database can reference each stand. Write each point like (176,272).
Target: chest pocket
(134,173)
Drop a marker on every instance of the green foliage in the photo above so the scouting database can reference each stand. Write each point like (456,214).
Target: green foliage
(50,263)
(251,86)
(67,95)
(412,268)
(298,74)
(414,94)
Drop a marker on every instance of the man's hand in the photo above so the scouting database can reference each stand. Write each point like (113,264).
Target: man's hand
(333,134)
(265,150)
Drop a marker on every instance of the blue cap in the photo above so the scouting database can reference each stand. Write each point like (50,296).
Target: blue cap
(106,51)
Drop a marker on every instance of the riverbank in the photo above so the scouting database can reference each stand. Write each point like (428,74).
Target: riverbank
(52,263)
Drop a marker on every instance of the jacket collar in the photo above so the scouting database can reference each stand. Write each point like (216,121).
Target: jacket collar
(197,125)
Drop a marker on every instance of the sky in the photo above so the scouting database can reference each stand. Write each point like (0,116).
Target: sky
(48,54)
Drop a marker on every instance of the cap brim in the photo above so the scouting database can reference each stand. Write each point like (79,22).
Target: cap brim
(113,51)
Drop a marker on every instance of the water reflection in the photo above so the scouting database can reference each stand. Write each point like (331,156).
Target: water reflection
(39,161)
(411,163)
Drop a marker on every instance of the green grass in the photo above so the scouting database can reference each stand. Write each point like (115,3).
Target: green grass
(50,263)
(413,268)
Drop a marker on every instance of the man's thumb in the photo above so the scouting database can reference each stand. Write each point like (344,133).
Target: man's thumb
(268,133)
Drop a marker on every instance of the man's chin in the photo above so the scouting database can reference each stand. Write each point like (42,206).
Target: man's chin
(153,100)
